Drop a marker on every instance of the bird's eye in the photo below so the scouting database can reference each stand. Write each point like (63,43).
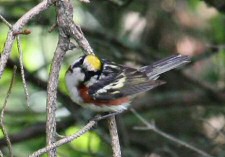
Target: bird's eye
(78,62)
(75,65)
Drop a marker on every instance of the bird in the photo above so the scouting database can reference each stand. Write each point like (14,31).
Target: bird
(105,86)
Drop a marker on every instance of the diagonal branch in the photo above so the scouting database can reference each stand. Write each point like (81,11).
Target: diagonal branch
(68,139)
(149,126)
(16,28)
(36,130)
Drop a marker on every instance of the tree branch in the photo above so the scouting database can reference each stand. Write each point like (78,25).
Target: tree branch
(22,70)
(68,139)
(64,14)
(34,131)
(52,91)
(16,28)
(114,136)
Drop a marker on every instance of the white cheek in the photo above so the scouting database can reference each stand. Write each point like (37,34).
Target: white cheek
(72,80)
(75,77)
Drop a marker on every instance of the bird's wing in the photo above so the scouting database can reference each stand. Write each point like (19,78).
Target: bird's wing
(120,83)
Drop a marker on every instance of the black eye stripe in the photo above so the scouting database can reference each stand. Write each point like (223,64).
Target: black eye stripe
(79,63)
(90,74)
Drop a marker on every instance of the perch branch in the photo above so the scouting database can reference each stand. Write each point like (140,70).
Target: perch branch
(114,136)
(21,60)
(68,139)
(35,131)
(5,21)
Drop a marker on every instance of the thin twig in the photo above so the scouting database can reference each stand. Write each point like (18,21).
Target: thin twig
(78,35)
(22,71)
(152,127)
(5,21)
(114,136)
(68,139)
(52,28)
(4,131)
(45,4)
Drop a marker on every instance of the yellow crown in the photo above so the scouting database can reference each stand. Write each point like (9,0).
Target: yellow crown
(94,62)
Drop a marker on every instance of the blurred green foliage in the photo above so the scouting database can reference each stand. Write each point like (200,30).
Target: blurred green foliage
(129,32)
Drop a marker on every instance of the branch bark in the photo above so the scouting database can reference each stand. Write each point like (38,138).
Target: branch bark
(61,49)
(114,136)
(36,130)
(64,140)
(64,14)
(17,28)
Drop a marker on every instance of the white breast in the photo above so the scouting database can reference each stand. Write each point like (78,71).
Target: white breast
(72,80)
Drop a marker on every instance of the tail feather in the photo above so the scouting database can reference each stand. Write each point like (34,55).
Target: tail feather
(153,71)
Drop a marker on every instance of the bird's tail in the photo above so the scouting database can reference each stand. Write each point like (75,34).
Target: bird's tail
(153,71)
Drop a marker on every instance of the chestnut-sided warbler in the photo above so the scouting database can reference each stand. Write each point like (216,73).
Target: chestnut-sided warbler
(105,86)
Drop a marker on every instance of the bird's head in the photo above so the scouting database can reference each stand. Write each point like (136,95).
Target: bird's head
(85,68)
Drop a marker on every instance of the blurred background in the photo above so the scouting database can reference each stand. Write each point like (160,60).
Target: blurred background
(133,32)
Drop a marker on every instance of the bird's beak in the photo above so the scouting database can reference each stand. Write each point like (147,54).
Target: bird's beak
(69,69)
